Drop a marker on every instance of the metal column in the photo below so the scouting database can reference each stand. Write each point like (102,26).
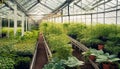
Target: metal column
(68,13)
(15,20)
(61,16)
(23,24)
(26,24)
(8,33)
(0,26)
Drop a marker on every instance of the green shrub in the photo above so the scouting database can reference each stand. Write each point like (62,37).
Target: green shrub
(6,63)
(22,62)
(55,63)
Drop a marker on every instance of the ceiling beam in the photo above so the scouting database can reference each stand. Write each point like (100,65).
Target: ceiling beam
(38,1)
(46,6)
(8,6)
(79,6)
(101,4)
(32,6)
(41,4)
(66,3)
(21,8)
(97,2)
(2,7)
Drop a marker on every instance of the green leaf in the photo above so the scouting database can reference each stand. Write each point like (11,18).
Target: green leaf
(73,62)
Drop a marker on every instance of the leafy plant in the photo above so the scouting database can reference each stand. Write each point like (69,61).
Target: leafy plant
(55,63)
(59,45)
(106,58)
(22,63)
(6,63)
(73,62)
(92,52)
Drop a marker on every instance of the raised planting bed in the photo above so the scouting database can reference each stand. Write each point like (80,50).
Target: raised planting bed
(82,48)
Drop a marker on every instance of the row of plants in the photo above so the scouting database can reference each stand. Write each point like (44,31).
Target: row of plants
(104,37)
(100,36)
(105,60)
(16,53)
(60,47)
(95,36)
(11,32)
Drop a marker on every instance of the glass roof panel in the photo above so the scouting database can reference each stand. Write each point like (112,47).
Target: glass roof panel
(39,9)
(27,3)
(53,3)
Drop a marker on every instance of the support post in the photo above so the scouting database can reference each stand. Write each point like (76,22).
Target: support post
(68,13)
(116,17)
(29,24)
(0,26)
(91,20)
(15,20)
(26,24)
(23,24)
(8,35)
(61,16)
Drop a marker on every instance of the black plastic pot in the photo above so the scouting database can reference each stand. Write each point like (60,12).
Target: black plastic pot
(73,36)
(4,35)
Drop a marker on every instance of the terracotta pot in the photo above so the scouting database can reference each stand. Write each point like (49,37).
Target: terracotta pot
(106,66)
(92,57)
(114,66)
(100,47)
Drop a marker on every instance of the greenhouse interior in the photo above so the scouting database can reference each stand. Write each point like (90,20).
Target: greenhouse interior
(59,34)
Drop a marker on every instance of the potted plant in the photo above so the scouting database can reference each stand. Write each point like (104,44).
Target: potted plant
(91,54)
(106,59)
(73,62)
(100,45)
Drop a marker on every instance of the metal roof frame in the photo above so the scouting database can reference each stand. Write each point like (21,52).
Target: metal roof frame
(21,8)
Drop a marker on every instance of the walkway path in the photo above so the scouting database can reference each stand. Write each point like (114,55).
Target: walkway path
(41,57)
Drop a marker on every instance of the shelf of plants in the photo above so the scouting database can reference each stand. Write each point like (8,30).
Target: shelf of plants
(61,47)
(17,52)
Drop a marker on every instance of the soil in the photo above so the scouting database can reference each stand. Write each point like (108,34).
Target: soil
(77,53)
(41,57)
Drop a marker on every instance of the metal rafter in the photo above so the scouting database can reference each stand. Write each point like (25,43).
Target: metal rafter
(101,4)
(112,7)
(32,6)
(65,4)
(97,2)
(79,6)
(92,13)
(62,6)
(7,5)
(2,7)
(25,3)
(21,8)
(46,6)
(38,1)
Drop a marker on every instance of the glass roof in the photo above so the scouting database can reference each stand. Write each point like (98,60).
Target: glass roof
(43,7)
(93,6)
(52,3)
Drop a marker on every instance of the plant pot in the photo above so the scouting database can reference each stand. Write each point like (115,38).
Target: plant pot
(106,65)
(113,66)
(100,47)
(92,57)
